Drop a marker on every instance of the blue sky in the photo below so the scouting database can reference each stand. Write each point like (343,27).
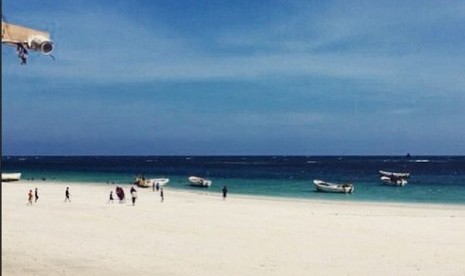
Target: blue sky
(237,77)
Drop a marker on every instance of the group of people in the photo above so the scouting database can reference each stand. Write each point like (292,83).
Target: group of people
(119,193)
(133,191)
(35,196)
(31,196)
(157,187)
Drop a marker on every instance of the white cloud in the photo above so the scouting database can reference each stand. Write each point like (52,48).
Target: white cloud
(119,49)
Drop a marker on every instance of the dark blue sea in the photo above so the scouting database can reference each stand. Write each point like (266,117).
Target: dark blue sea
(434,179)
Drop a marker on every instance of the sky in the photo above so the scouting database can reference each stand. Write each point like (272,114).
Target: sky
(237,78)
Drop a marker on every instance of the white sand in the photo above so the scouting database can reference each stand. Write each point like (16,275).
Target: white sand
(200,234)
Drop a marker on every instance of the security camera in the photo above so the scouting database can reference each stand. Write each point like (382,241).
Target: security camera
(40,43)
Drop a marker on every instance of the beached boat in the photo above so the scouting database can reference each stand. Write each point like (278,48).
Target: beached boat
(140,181)
(393,181)
(199,182)
(146,183)
(333,187)
(8,177)
(393,174)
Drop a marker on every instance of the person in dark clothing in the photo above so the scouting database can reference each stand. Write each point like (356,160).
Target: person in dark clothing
(134,196)
(111,197)
(67,195)
(158,186)
(36,195)
(162,195)
(225,192)
(120,194)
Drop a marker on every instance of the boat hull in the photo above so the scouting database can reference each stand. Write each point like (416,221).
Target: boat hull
(160,181)
(396,182)
(327,187)
(10,177)
(393,174)
(199,182)
(147,183)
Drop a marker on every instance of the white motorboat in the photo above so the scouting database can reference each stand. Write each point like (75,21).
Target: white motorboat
(146,183)
(393,174)
(160,181)
(199,182)
(333,187)
(8,177)
(394,181)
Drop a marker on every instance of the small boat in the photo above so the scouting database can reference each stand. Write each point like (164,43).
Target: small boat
(146,183)
(393,174)
(199,182)
(394,181)
(8,177)
(333,187)
(160,181)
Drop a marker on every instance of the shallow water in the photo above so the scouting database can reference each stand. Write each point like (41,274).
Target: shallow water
(434,179)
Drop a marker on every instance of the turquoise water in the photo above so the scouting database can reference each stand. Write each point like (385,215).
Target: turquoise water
(435,179)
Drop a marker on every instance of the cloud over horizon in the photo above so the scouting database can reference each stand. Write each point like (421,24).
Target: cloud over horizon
(362,64)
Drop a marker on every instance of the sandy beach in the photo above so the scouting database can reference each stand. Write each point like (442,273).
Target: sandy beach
(197,233)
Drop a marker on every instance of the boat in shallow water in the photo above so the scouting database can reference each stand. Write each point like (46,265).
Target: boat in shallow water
(328,187)
(146,183)
(394,179)
(199,182)
(9,177)
(394,174)
(160,181)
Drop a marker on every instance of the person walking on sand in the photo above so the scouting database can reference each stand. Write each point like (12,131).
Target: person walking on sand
(162,195)
(111,197)
(67,195)
(134,196)
(225,192)
(29,200)
(36,195)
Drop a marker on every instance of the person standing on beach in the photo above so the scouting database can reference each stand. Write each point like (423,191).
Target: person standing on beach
(67,195)
(225,192)
(162,195)
(134,196)
(158,186)
(29,198)
(111,197)
(36,194)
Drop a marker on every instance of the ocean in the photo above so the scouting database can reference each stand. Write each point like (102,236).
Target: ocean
(434,179)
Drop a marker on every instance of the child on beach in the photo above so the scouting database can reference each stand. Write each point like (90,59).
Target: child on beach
(29,198)
(162,195)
